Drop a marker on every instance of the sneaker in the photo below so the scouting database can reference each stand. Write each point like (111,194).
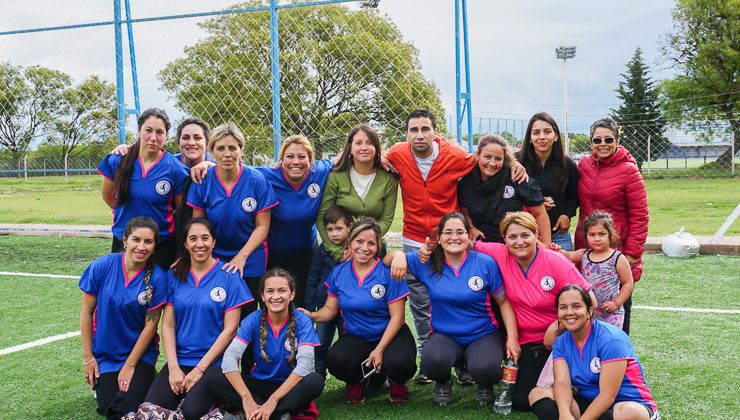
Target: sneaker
(443,393)
(484,395)
(355,393)
(421,379)
(399,393)
(463,377)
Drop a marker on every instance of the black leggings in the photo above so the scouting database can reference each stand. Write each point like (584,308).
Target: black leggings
(531,362)
(347,354)
(547,409)
(627,315)
(305,391)
(113,403)
(298,267)
(197,401)
(164,255)
(482,357)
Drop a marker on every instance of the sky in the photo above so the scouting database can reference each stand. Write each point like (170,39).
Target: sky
(514,72)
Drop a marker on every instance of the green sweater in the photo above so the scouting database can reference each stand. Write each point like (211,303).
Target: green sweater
(380,203)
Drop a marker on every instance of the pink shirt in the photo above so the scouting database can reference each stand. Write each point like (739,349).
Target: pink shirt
(532,292)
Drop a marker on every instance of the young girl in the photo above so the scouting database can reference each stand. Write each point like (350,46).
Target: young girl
(281,341)
(605,268)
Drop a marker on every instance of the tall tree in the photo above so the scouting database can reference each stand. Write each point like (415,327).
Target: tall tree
(705,48)
(86,115)
(338,67)
(640,116)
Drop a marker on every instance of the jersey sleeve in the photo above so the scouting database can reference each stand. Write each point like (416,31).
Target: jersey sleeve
(414,265)
(305,333)
(238,293)
(531,193)
(322,169)
(161,288)
(108,166)
(558,348)
(396,289)
(180,174)
(494,276)
(172,285)
(615,349)
(196,195)
(92,277)
(266,195)
(331,282)
(493,249)
(247,331)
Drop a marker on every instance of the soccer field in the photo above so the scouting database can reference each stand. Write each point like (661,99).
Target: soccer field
(690,358)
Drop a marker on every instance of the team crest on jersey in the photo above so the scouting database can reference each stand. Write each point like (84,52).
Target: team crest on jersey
(218,294)
(547,283)
(163,187)
(377,291)
(141,298)
(508,191)
(595,365)
(314,190)
(249,204)
(475,283)
(287,345)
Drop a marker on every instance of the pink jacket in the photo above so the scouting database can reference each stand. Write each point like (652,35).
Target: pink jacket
(615,185)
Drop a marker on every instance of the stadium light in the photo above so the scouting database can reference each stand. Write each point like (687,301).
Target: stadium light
(565,52)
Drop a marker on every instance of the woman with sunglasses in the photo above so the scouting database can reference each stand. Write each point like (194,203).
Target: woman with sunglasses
(610,180)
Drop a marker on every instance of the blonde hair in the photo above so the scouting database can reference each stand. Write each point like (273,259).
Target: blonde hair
(520,218)
(300,140)
(223,131)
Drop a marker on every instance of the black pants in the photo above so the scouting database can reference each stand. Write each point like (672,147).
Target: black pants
(482,357)
(627,315)
(547,409)
(197,401)
(531,362)
(164,255)
(347,354)
(298,267)
(305,391)
(113,403)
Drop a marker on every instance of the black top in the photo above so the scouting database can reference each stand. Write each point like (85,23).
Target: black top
(566,202)
(488,206)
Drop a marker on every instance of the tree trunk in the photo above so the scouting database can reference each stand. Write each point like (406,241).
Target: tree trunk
(724,160)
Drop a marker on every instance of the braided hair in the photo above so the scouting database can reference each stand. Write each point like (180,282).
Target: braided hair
(143,222)
(292,339)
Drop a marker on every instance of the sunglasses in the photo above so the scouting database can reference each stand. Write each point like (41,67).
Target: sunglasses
(598,140)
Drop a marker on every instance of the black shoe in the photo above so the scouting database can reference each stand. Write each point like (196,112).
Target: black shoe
(463,377)
(421,379)
(484,395)
(443,393)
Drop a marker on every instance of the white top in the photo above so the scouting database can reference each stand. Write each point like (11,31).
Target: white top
(361,183)
(425,164)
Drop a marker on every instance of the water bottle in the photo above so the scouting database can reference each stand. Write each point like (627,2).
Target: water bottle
(508,379)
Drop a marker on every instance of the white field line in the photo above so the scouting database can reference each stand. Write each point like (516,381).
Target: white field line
(37,343)
(696,310)
(51,276)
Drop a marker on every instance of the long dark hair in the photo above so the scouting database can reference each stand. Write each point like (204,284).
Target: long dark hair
(144,222)
(292,339)
(126,166)
(437,259)
(182,265)
(194,121)
(578,288)
(528,156)
(346,162)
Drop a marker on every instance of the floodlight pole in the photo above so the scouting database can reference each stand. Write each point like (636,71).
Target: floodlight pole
(462,99)
(564,52)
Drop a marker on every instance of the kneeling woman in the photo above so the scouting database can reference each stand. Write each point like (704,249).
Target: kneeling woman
(599,361)
(372,306)
(199,322)
(461,284)
(282,342)
(123,296)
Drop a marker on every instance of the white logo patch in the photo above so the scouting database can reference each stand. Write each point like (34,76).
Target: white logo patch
(249,204)
(163,187)
(547,283)
(595,365)
(218,294)
(475,283)
(314,190)
(377,291)
(141,298)
(287,345)
(508,191)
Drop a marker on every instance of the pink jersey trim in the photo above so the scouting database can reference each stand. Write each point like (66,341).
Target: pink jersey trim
(399,298)
(194,206)
(327,290)
(144,172)
(242,340)
(489,309)
(157,307)
(267,250)
(588,335)
(282,170)
(171,215)
(268,207)
(126,280)
(559,358)
(309,344)
(361,279)
(457,270)
(634,375)
(239,305)
(104,175)
(90,294)
(170,304)
(618,359)
(238,178)
(276,333)
(197,279)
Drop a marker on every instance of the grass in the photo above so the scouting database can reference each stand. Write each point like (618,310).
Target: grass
(701,205)
(690,359)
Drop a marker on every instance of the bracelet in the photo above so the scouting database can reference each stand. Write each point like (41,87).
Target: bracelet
(84,363)
(199,370)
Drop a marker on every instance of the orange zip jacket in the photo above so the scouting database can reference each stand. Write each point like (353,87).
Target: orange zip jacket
(424,203)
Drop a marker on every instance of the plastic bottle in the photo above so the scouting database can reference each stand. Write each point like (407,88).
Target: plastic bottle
(508,379)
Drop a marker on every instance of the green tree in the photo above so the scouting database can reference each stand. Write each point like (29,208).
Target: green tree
(705,49)
(640,116)
(86,115)
(28,100)
(338,67)
(579,143)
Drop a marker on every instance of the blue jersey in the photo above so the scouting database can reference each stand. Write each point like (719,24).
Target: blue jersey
(604,344)
(199,305)
(293,226)
(150,193)
(363,302)
(462,299)
(181,158)
(277,345)
(233,213)
(121,309)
